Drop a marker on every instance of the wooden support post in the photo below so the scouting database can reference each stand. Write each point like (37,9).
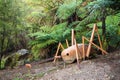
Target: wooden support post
(83,42)
(91,39)
(56,54)
(78,54)
(62,46)
(72,38)
(96,46)
(67,43)
(99,39)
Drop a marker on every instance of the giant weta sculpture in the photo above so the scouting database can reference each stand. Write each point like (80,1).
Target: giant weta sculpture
(78,51)
(69,55)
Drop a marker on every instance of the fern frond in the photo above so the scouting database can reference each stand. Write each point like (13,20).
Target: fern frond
(66,10)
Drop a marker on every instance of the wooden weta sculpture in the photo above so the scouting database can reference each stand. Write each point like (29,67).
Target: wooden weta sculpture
(69,55)
(78,51)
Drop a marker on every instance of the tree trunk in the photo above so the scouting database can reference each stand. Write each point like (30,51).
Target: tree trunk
(103,23)
(103,27)
(104,42)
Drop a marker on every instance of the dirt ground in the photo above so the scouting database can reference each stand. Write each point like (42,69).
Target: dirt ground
(104,67)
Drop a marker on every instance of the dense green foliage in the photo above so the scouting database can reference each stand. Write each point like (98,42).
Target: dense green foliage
(12,26)
(39,25)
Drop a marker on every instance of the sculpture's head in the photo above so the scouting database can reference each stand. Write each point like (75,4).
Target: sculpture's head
(69,54)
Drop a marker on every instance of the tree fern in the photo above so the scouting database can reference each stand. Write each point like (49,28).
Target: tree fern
(67,9)
(48,37)
(113,30)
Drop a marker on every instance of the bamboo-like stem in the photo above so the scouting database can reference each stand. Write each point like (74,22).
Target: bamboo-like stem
(72,37)
(96,45)
(78,55)
(83,42)
(99,39)
(62,46)
(57,52)
(91,39)
(67,43)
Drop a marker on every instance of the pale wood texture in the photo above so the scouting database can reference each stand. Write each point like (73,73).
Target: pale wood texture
(56,54)
(96,46)
(73,42)
(67,43)
(99,39)
(83,42)
(77,53)
(62,46)
(91,39)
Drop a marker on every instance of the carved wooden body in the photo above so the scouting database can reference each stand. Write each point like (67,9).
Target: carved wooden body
(69,54)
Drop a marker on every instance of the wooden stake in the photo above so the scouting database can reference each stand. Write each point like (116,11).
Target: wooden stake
(67,43)
(83,54)
(72,38)
(62,46)
(91,39)
(77,53)
(56,54)
(99,39)
(96,46)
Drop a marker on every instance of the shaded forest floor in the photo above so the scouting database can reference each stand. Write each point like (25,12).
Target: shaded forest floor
(104,67)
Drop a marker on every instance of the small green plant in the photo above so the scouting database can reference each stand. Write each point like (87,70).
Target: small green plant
(17,78)
(15,59)
(3,62)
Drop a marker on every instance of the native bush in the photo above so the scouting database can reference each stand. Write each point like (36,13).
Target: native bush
(48,37)
(3,62)
(113,31)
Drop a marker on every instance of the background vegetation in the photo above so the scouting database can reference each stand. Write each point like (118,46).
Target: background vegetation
(39,25)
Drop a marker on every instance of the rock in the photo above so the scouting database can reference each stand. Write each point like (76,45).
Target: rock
(22,51)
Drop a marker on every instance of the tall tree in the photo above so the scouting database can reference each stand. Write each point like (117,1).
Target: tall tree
(11,25)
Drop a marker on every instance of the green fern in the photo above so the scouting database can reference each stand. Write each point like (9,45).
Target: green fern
(113,34)
(67,9)
(49,36)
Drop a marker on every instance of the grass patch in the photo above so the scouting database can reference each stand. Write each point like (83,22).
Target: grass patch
(18,78)
(43,73)
(40,74)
